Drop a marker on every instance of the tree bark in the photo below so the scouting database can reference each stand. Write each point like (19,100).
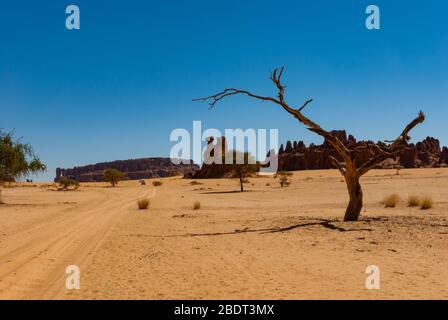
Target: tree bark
(241,184)
(355,193)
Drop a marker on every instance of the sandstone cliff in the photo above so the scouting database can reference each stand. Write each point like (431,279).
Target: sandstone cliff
(296,156)
(134,169)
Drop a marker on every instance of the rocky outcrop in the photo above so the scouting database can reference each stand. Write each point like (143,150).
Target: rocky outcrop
(296,156)
(213,170)
(134,169)
(444,156)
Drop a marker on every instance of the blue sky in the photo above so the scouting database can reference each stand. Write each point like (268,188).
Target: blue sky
(117,87)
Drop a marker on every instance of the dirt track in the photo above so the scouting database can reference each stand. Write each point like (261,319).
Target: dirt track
(35,253)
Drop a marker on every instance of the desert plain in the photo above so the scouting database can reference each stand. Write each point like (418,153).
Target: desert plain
(265,243)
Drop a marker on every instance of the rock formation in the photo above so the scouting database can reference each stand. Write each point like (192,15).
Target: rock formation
(296,156)
(213,170)
(134,169)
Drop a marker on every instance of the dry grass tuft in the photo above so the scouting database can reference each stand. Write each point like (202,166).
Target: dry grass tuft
(157,183)
(196,205)
(143,204)
(391,201)
(195,183)
(426,203)
(413,201)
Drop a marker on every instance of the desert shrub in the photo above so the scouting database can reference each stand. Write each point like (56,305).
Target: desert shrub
(268,184)
(391,201)
(65,183)
(143,203)
(426,203)
(113,176)
(195,183)
(413,201)
(157,183)
(283,178)
(196,205)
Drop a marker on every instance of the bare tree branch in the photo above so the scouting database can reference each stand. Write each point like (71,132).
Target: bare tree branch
(396,146)
(305,104)
(214,99)
(339,165)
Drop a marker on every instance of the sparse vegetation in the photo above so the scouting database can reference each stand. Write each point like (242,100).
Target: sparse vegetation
(413,201)
(196,205)
(143,204)
(157,183)
(426,203)
(195,183)
(17,160)
(283,178)
(113,176)
(391,201)
(65,184)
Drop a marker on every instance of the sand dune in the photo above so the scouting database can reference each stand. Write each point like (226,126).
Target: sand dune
(266,243)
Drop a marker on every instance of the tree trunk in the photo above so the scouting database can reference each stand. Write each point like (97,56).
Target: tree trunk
(355,192)
(1,202)
(241,184)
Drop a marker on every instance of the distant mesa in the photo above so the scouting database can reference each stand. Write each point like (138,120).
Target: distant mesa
(134,169)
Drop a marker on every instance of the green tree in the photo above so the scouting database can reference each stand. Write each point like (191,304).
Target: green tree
(243,165)
(113,176)
(17,159)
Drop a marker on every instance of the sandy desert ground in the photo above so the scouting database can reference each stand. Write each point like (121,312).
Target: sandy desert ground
(266,243)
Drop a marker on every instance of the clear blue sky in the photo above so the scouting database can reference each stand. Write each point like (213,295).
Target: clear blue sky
(116,88)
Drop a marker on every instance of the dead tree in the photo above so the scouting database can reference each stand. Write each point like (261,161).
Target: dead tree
(348,167)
